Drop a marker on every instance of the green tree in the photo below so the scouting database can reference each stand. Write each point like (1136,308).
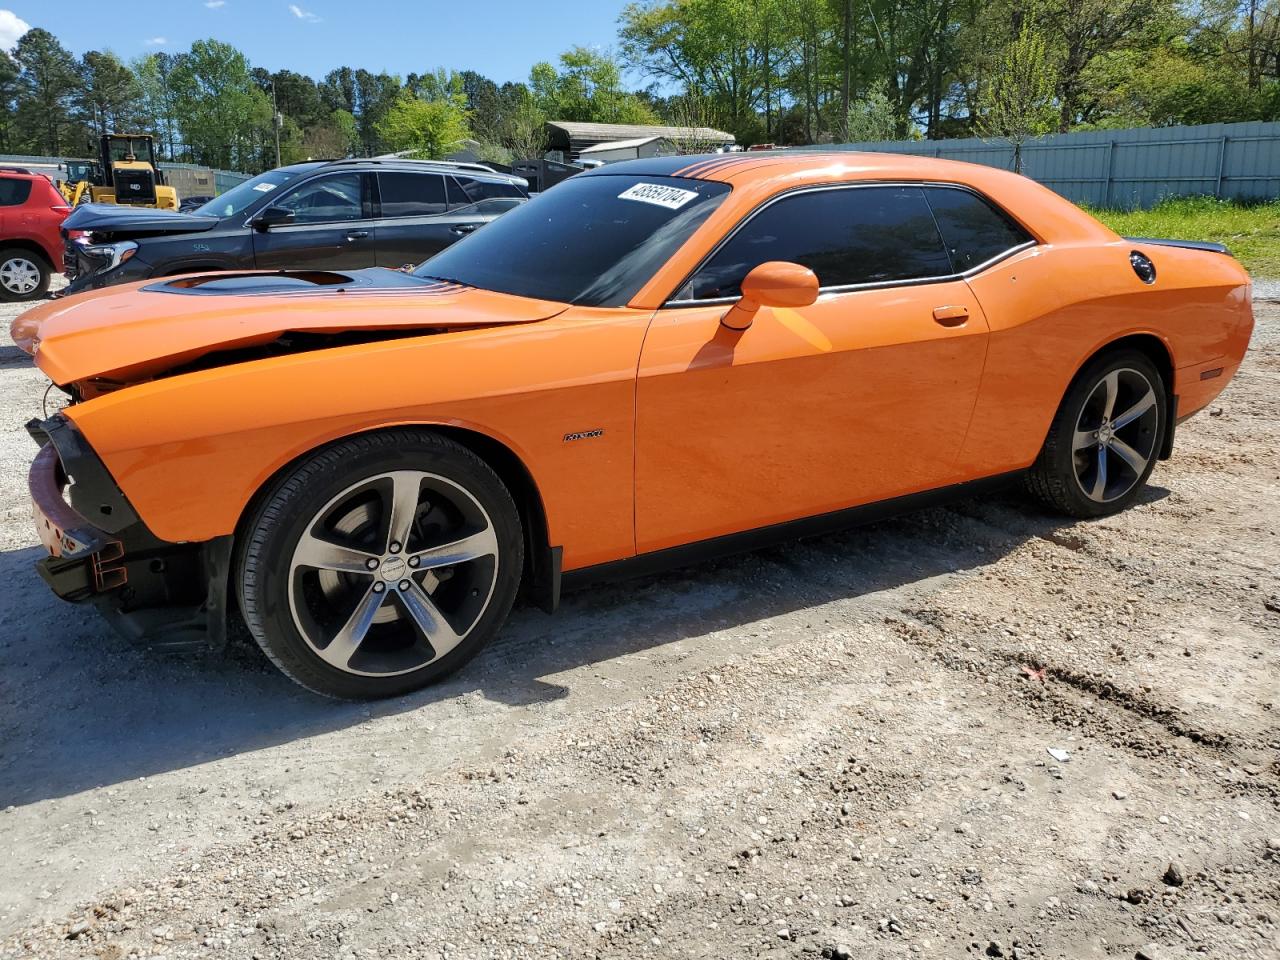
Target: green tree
(871,117)
(47,85)
(109,93)
(8,101)
(224,117)
(1017,105)
(723,50)
(375,95)
(335,136)
(157,103)
(1082,30)
(432,127)
(587,87)
(523,129)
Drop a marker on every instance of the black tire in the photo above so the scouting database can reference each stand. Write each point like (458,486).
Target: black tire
(286,601)
(29,262)
(1065,469)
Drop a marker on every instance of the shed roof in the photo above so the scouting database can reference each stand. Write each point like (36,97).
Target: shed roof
(620,144)
(613,132)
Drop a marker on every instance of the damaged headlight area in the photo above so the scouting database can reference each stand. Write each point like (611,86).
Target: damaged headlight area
(101,257)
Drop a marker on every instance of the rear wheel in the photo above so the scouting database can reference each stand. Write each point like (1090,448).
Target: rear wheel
(380,565)
(1103,442)
(23,275)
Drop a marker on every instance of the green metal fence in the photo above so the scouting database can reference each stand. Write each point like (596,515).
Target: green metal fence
(1127,169)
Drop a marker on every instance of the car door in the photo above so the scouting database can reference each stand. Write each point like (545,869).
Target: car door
(412,224)
(332,226)
(864,395)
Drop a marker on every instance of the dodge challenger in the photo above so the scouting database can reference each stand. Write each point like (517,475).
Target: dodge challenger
(656,361)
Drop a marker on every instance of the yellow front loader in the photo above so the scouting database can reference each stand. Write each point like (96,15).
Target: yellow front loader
(125,172)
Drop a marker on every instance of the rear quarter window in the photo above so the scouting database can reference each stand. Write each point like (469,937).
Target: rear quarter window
(973,230)
(478,190)
(14,192)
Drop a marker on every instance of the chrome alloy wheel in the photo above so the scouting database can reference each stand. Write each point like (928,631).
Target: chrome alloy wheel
(19,276)
(393,573)
(1111,450)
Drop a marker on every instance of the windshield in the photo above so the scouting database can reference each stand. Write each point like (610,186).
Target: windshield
(592,240)
(243,195)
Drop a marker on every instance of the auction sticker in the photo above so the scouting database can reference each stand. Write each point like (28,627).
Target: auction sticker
(673,198)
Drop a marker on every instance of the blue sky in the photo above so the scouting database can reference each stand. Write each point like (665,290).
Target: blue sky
(500,38)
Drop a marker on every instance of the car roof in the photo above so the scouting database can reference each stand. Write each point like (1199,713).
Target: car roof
(436,166)
(795,167)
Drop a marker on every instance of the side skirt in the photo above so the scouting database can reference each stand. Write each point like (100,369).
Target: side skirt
(748,540)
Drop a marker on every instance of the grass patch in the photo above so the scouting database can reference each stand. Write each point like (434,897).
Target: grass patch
(1250,231)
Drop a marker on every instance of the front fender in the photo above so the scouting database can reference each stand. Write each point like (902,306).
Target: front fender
(191,451)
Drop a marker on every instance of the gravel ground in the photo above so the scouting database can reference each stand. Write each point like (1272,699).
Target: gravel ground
(974,731)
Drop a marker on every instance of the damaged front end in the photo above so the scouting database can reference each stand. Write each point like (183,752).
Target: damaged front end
(173,596)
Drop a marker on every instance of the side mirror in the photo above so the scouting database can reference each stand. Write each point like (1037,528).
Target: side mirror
(772,284)
(272,217)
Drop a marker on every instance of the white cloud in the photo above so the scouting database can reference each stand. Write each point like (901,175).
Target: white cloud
(215,4)
(12,27)
(301,14)
(157,41)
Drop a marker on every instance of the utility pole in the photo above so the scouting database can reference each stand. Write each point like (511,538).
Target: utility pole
(275,119)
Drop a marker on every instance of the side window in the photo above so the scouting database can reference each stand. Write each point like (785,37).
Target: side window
(488,189)
(14,192)
(845,236)
(326,200)
(456,197)
(973,230)
(411,194)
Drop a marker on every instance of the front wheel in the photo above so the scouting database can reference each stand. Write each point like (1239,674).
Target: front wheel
(1105,437)
(381,564)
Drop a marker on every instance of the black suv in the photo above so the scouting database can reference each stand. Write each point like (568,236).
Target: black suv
(342,214)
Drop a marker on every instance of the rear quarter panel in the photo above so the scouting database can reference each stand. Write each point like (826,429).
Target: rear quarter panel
(1053,307)
(191,451)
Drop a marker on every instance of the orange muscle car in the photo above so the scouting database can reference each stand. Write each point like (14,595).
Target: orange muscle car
(655,360)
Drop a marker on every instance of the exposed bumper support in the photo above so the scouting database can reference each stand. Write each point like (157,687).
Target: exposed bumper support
(168,596)
(83,560)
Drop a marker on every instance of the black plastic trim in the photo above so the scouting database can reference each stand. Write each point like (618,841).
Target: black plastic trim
(748,540)
(1166,445)
(94,492)
(1188,244)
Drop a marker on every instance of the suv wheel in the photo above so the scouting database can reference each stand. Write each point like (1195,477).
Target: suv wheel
(23,275)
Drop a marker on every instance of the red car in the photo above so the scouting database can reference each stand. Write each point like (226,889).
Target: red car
(31,213)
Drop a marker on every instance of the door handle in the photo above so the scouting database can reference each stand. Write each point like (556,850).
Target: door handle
(463,228)
(357,234)
(951,316)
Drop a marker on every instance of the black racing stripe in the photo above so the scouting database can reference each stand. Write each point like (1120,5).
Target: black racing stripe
(689,168)
(730,163)
(705,166)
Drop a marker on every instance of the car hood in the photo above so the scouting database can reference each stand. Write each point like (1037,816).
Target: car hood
(140,331)
(122,221)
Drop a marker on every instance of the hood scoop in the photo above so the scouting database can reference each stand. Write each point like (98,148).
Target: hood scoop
(242,284)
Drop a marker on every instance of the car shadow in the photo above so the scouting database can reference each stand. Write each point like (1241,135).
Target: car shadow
(82,708)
